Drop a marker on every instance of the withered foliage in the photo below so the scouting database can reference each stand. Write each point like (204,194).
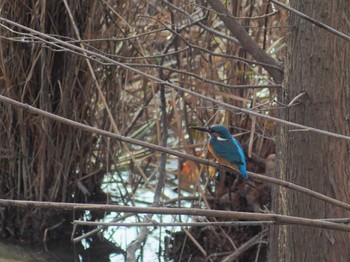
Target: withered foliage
(48,161)
(41,159)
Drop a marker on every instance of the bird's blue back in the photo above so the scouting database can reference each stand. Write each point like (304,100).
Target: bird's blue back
(227,147)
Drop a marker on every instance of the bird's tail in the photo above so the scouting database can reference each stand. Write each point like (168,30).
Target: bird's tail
(243,170)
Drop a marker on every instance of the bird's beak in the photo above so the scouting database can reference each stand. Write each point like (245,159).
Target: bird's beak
(203,129)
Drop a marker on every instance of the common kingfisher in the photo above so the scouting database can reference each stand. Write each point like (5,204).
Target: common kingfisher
(225,148)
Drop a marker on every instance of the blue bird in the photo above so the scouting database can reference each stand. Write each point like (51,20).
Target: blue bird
(225,148)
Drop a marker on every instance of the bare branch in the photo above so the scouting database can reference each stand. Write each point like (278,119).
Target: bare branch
(278,219)
(176,87)
(154,223)
(203,79)
(312,20)
(174,224)
(251,242)
(242,59)
(171,151)
(246,41)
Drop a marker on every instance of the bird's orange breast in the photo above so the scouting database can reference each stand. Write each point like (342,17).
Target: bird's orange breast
(221,160)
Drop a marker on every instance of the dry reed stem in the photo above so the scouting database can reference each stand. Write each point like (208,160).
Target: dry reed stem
(278,219)
(173,152)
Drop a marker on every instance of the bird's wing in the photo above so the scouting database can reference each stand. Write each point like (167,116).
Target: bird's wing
(230,150)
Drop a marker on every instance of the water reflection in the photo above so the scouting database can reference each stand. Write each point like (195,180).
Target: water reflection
(153,248)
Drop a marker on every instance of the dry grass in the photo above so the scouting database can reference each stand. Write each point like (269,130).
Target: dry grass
(44,160)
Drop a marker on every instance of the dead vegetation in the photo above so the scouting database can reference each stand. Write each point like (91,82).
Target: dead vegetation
(48,161)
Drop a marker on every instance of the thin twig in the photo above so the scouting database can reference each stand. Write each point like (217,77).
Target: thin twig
(210,30)
(178,88)
(174,224)
(201,78)
(96,230)
(246,41)
(195,242)
(278,219)
(242,59)
(171,151)
(312,20)
(251,242)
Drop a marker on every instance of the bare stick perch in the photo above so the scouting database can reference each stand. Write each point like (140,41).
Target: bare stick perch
(278,219)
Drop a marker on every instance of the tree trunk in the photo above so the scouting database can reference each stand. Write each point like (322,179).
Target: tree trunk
(318,63)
